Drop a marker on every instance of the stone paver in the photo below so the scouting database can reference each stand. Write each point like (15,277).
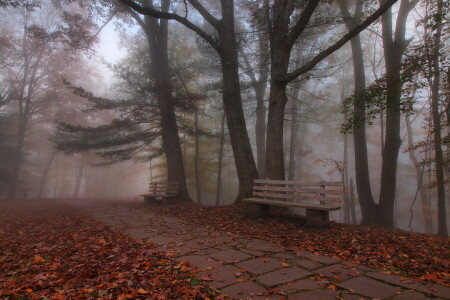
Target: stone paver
(244,290)
(247,268)
(260,245)
(318,258)
(432,289)
(316,295)
(200,261)
(260,265)
(224,276)
(307,264)
(231,255)
(369,287)
(338,272)
(306,284)
(282,276)
(411,295)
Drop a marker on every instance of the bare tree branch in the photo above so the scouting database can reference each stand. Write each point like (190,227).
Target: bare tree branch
(171,16)
(336,46)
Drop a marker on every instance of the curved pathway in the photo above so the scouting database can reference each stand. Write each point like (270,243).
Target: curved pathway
(256,269)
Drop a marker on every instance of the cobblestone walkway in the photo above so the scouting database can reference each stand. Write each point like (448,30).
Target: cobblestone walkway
(248,268)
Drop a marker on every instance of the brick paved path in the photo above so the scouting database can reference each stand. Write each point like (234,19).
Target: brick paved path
(248,268)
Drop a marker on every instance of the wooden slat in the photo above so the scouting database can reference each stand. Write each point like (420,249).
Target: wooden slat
(158,195)
(301,183)
(163,189)
(293,189)
(296,196)
(292,204)
(163,184)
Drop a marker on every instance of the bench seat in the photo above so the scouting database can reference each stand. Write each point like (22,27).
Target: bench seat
(318,198)
(160,191)
(293,204)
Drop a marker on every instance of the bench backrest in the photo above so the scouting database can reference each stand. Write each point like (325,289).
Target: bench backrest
(170,188)
(323,192)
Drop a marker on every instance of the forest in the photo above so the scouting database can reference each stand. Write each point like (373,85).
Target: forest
(232,149)
(215,94)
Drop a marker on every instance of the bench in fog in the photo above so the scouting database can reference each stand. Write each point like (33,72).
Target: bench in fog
(160,192)
(318,198)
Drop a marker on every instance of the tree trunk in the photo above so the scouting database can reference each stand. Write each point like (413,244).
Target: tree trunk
(437,140)
(426,205)
(274,146)
(44,175)
(345,182)
(352,201)
(79,176)
(219,170)
(197,158)
(294,133)
(260,128)
(393,47)
(18,157)
(240,142)
(368,206)
(157,36)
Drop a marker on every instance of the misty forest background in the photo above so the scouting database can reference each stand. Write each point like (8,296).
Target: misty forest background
(226,92)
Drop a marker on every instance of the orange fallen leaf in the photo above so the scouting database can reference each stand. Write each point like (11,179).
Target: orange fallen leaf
(332,287)
(264,260)
(37,260)
(142,291)
(58,296)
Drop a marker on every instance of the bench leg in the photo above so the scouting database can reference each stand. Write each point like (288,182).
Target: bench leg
(149,199)
(259,210)
(317,218)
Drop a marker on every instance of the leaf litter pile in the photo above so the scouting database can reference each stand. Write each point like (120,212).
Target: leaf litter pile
(419,256)
(52,251)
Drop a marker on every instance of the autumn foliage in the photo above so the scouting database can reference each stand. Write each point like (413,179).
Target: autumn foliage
(52,251)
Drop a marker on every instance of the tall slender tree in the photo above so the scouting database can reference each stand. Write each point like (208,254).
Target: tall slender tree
(223,40)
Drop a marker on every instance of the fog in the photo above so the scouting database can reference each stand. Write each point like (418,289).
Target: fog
(92,110)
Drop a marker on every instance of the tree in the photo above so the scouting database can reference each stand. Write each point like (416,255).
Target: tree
(285,29)
(223,40)
(36,50)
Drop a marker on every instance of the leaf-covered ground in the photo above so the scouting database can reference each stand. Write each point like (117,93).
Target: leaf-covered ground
(52,251)
(420,256)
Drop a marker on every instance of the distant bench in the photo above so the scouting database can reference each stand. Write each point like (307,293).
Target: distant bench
(160,191)
(319,198)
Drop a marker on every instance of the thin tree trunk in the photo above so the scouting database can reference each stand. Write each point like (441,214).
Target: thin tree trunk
(300,151)
(352,201)
(56,176)
(17,162)
(394,47)
(437,141)
(426,207)
(79,176)
(44,175)
(294,133)
(364,190)
(345,183)
(197,159)
(219,170)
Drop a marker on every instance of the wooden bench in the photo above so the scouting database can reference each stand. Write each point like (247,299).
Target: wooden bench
(160,191)
(319,198)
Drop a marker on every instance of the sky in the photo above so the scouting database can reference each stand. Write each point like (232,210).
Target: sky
(109,50)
